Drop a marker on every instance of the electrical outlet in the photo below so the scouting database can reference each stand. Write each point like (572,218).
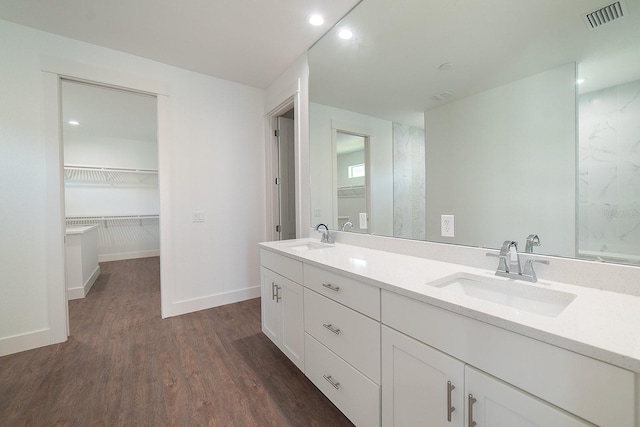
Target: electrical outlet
(447,226)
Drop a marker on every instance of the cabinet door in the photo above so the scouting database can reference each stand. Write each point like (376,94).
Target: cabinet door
(269,306)
(420,385)
(496,404)
(289,296)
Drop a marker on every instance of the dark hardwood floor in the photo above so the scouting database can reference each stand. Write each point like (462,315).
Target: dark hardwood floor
(125,366)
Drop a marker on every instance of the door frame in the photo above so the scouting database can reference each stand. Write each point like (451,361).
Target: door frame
(367,135)
(53,71)
(271,167)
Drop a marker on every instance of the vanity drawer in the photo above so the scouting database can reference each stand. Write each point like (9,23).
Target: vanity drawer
(287,267)
(357,295)
(353,393)
(349,334)
(596,391)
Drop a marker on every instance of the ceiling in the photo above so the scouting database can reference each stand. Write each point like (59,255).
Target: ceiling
(394,66)
(246,41)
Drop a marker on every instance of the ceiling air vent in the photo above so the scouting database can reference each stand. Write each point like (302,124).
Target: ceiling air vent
(443,95)
(605,14)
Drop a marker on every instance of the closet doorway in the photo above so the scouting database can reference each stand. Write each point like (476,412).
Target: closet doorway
(111,196)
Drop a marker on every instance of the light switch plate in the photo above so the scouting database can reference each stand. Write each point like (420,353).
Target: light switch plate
(363,220)
(197,216)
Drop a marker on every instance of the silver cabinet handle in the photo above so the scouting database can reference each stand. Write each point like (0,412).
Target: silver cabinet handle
(331,381)
(472,400)
(450,408)
(330,286)
(278,297)
(273,291)
(332,328)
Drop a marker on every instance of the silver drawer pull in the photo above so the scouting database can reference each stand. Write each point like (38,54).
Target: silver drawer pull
(331,381)
(472,400)
(330,286)
(450,408)
(330,327)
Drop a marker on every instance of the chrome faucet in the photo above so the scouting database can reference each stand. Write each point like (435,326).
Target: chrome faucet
(326,234)
(509,248)
(349,223)
(507,261)
(532,240)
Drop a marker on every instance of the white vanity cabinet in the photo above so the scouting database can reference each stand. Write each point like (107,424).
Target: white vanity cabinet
(282,304)
(515,380)
(387,355)
(342,344)
(493,403)
(423,386)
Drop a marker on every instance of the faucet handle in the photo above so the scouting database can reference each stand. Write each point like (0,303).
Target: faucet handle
(529,271)
(503,263)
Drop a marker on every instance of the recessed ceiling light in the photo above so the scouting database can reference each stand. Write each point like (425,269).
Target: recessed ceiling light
(73,122)
(345,34)
(580,81)
(316,20)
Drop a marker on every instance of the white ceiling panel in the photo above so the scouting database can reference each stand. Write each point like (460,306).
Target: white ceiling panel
(245,41)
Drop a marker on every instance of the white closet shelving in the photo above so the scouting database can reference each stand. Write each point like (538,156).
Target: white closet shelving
(110,175)
(351,191)
(105,220)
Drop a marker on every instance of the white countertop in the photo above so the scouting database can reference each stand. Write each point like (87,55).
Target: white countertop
(600,324)
(79,229)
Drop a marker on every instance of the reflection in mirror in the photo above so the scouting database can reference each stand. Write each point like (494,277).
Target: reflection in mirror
(351,188)
(483,123)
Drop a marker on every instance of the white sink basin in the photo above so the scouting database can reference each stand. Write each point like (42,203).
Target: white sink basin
(521,296)
(310,246)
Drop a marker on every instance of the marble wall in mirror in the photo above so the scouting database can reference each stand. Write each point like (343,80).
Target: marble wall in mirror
(517,118)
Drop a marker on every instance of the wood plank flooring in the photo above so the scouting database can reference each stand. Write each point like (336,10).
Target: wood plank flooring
(125,366)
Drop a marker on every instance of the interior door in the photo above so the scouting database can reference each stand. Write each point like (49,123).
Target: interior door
(286,178)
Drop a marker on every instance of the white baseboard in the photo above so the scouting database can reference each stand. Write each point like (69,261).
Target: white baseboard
(197,304)
(128,255)
(26,341)
(82,291)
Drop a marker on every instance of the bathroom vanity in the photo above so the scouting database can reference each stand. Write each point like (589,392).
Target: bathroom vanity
(398,340)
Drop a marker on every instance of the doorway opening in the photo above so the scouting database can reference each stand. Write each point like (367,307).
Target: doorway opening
(110,167)
(282,153)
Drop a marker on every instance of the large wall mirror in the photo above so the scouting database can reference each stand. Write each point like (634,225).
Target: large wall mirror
(517,118)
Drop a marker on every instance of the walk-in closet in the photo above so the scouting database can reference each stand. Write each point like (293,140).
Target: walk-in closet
(110,179)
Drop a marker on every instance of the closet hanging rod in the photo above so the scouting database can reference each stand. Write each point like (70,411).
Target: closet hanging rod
(109,217)
(107,169)
(104,219)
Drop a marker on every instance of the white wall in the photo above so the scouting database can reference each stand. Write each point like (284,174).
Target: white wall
(324,121)
(209,130)
(503,162)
